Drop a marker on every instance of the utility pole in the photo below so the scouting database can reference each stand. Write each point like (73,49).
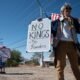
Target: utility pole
(41,16)
(40,7)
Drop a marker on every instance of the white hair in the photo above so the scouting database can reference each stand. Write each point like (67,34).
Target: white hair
(66,5)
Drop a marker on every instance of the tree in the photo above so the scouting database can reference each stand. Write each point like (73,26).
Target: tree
(15,58)
(36,57)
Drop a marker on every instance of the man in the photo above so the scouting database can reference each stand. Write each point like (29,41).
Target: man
(64,31)
(2,63)
(4,56)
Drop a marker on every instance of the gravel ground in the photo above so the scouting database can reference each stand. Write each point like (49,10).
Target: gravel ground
(34,73)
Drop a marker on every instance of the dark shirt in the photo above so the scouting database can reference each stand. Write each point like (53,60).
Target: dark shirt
(55,24)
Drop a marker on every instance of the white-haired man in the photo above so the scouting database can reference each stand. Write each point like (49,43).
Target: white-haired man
(64,30)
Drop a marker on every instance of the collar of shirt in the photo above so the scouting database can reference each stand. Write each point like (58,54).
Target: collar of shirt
(61,18)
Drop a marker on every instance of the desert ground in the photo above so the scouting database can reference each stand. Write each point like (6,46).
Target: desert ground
(34,73)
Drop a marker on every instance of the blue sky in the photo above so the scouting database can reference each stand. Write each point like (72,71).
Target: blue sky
(16,15)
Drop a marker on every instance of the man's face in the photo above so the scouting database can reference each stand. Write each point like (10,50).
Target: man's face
(67,12)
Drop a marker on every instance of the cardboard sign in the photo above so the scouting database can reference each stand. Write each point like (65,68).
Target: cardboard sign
(39,34)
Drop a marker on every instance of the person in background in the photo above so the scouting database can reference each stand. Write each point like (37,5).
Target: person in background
(2,63)
(5,54)
(64,31)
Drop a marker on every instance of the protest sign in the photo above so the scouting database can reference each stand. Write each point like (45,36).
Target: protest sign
(39,34)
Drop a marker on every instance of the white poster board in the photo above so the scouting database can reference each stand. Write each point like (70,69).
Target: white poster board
(39,34)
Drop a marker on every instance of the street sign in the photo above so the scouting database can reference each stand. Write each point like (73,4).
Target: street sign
(39,34)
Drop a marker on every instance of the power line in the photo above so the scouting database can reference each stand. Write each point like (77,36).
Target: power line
(42,11)
(18,41)
(10,44)
(24,45)
(24,39)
